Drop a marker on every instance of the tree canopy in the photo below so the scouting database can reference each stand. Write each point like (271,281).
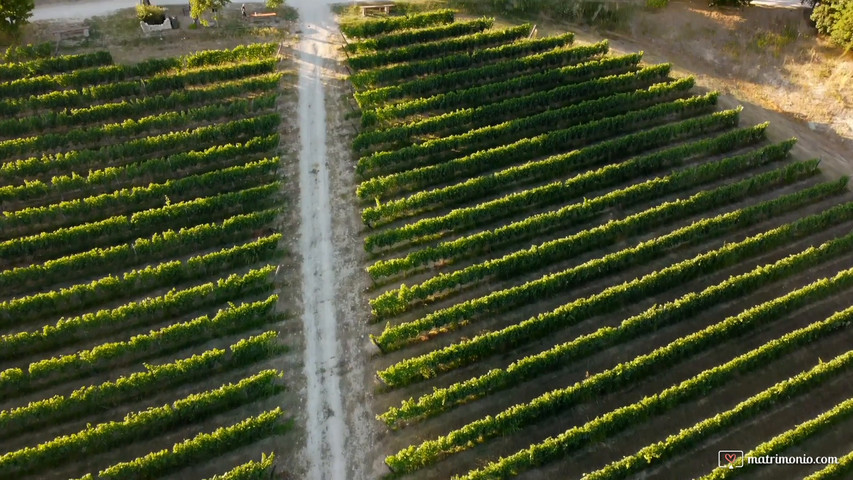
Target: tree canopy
(198,7)
(14,14)
(834,18)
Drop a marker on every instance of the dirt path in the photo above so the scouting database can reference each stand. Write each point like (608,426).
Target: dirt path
(329,447)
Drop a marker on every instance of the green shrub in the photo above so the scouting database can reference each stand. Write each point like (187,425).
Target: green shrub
(151,14)
(834,18)
(23,53)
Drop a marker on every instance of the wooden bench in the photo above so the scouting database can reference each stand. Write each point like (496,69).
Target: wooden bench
(72,33)
(384,8)
(263,16)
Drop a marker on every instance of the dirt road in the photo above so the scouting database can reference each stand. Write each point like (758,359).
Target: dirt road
(331,449)
(81,10)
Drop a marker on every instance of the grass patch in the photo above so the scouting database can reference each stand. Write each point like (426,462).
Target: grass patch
(774,42)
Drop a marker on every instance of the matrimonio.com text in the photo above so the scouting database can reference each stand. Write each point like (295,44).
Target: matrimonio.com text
(737,459)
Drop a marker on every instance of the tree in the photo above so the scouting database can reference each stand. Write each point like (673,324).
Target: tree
(273,4)
(150,14)
(835,19)
(14,14)
(198,7)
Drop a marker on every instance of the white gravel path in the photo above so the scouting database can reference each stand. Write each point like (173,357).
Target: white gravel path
(796,4)
(83,9)
(326,429)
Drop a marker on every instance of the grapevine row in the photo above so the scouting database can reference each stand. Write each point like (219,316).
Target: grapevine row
(38,59)
(209,74)
(561,191)
(552,402)
(137,106)
(28,86)
(687,438)
(140,425)
(240,53)
(544,144)
(618,420)
(161,83)
(463,353)
(250,470)
(835,471)
(26,309)
(464,120)
(154,170)
(119,74)
(111,355)
(371,28)
(529,260)
(795,436)
(557,57)
(135,198)
(25,53)
(114,132)
(90,399)
(107,94)
(143,312)
(120,228)
(418,35)
(462,61)
(495,92)
(496,182)
(439,48)
(491,91)
(445,148)
(168,243)
(652,319)
(259,129)
(64,63)
(202,448)
(575,212)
